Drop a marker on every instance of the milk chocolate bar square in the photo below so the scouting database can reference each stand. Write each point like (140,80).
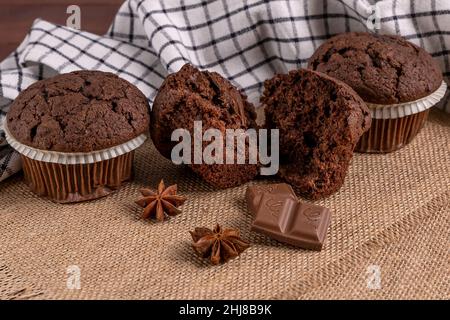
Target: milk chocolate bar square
(282,217)
(255,192)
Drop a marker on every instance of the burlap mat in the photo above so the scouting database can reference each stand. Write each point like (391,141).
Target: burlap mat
(393,212)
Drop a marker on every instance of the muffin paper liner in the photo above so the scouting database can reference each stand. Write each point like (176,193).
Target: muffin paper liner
(67,183)
(395,111)
(396,125)
(387,135)
(73,157)
(74,177)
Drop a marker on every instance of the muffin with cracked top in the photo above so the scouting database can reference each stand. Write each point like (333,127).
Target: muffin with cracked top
(77,132)
(397,79)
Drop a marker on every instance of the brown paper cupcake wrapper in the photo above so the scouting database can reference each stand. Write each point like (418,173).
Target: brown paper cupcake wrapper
(73,177)
(66,183)
(387,135)
(394,126)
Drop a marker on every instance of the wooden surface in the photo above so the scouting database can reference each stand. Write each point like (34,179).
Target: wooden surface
(16,17)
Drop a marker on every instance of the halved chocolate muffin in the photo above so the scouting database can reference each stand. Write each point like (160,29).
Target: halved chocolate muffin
(320,121)
(193,95)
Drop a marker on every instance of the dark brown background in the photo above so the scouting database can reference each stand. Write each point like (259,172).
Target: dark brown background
(16,17)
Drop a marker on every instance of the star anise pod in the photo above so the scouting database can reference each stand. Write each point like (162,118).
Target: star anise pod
(161,202)
(219,245)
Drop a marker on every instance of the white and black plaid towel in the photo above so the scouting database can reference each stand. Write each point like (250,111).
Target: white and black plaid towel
(247,41)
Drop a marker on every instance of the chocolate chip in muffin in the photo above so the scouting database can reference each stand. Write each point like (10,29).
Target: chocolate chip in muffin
(382,69)
(81,111)
(193,95)
(320,121)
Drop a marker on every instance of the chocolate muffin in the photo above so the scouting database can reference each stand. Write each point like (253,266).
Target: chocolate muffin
(192,95)
(77,133)
(399,82)
(382,69)
(320,121)
(81,111)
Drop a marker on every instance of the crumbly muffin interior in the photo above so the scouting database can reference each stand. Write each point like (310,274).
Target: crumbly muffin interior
(191,95)
(320,121)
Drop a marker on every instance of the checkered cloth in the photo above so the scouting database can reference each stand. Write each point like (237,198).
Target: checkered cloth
(247,41)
